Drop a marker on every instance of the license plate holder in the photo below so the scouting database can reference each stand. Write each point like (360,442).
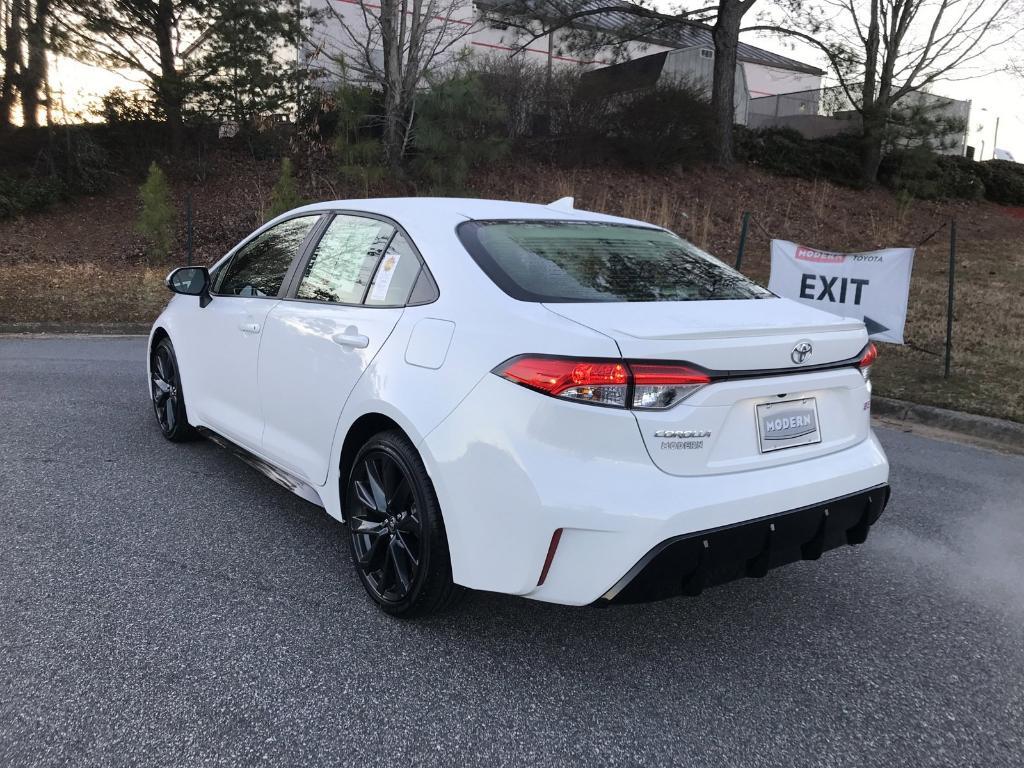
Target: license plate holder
(787,424)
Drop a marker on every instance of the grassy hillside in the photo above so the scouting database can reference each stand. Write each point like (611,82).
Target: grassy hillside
(83,263)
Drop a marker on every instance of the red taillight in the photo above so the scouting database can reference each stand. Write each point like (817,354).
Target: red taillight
(554,375)
(593,381)
(653,373)
(623,385)
(869,356)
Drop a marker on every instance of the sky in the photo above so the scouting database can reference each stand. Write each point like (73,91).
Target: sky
(993,94)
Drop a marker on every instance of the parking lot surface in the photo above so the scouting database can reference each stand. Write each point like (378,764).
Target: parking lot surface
(167,605)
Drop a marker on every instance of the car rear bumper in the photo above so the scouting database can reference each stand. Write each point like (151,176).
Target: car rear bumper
(687,564)
(509,476)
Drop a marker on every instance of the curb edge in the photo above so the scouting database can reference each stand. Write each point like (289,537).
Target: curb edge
(1008,434)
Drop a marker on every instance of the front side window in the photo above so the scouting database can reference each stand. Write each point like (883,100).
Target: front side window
(259,268)
(567,261)
(344,261)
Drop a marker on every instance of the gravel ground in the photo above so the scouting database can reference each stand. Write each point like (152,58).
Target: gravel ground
(167,605)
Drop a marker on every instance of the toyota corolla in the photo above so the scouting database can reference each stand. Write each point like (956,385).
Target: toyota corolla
(528,399)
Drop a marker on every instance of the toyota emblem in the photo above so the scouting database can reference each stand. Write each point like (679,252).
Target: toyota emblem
(801,352)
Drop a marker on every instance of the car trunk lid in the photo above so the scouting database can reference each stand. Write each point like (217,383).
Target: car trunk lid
(750,350)
(727,335)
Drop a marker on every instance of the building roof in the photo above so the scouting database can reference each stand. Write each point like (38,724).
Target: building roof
(671,35)
(636,74)
(754,55)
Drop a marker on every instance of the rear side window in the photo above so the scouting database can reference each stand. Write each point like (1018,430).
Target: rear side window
(395,276)
(340,268)
(259,267)
(568,261)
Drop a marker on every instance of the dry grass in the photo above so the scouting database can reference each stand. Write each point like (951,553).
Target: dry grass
(988,334)
(82,263)
(81,293)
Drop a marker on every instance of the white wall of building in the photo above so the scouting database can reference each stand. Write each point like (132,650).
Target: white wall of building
(474,38)
(479,39)
(696,66)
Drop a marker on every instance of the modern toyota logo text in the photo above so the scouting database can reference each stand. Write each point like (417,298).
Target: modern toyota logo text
(801,352)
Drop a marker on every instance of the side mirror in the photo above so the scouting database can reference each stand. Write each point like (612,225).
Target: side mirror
(191,281)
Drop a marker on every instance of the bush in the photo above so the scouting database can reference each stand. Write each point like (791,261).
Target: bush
(786,152)
(285,194)
(43,167)
(571,120)
(534,104)
(925,175)
(670,125)
(918,172)
(84,164)
(960,178)
(20,196)
(120,106)
(156,221)
(1004,181)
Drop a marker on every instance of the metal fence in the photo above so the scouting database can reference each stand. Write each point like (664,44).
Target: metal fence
(825,102)
(918,119)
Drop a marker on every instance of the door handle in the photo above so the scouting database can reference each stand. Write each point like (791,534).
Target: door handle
(249,327)
(351,340)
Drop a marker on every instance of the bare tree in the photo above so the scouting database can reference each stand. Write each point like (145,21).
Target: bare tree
(25,41)
(884,50)
(726,34)
(587,25)
(11,51)
(396,45)
(34,74)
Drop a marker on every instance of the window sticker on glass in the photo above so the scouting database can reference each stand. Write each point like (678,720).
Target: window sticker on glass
(384,276)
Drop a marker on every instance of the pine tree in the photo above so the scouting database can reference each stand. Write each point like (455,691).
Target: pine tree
(245,69)
(285,194)
(458,127)
(359,152)
(156,221)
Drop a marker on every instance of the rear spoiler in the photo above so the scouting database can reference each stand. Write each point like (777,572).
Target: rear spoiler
(854,362)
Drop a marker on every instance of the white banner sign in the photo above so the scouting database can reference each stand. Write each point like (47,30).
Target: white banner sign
(872,286)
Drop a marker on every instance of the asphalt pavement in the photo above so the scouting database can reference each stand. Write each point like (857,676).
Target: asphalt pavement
(167,605)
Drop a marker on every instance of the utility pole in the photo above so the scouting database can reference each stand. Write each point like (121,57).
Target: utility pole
(995,139)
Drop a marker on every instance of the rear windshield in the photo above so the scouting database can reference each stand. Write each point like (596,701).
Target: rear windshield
(568,261)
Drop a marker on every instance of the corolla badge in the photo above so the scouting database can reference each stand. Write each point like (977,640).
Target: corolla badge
(676,434)
(801,351)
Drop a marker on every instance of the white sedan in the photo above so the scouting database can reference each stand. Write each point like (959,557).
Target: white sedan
(527,399)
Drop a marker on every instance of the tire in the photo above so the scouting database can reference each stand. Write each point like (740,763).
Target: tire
(167,394)
(396,532)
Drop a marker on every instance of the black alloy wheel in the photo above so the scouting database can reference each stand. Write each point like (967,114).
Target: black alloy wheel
(168,398)
(398,541)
